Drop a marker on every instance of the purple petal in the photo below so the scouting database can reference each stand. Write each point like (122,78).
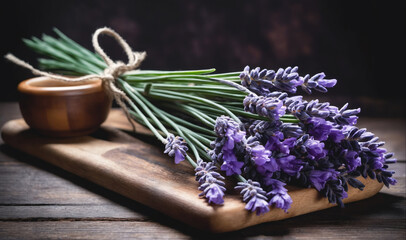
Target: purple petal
(179,157)
(328,83)
(215,194)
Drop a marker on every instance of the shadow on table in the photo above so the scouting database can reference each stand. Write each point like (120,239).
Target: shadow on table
(368,212)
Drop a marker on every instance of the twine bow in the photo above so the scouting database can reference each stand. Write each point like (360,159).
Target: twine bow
(109,75)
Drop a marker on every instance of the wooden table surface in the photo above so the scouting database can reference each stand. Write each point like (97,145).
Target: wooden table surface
(40,201)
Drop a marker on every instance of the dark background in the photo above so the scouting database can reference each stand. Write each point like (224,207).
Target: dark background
(360,43)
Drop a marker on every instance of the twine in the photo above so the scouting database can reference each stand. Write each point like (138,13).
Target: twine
(109,75)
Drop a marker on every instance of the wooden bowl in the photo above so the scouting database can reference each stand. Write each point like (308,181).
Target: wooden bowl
(63,109)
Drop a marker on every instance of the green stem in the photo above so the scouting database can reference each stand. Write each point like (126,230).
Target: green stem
(233,84)
(160,73)
(143,101)
(190,125)
(149,125)
(135,96)
(190,160)
(240,178)
(198,100)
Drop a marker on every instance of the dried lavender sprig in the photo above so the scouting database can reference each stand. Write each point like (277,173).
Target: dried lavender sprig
(254,196)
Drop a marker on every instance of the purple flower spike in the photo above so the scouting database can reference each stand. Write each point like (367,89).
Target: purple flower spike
(233,136)
(270,107)
(289,164)
(319,128)
(319,178)
(282,201)
(230,163)
(229,129)
(254,196)
(352,159)
(346,116)
(176,147)
(229,141)
(279,195)
(213,191)
(205,170)
(315,148)
(260,155)
(318,83)
(263,82)
(258,205)
(336,135)
(274,143)
(210,182)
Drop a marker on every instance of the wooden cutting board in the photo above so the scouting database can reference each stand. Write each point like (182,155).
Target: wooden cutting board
(140,171)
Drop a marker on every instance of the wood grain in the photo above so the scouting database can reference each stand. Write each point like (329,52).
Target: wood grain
(141,172)
(318,229)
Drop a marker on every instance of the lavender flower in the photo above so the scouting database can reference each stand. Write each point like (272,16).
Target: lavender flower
(344,116)
(275,143)
(314,148)
(304,110)
(176,146)
(279,195)
(351,159)
(268,168)
(260,155)
(263,129)
(210,182)
(317,82)
(228,142)
(291,130)
(319,178)
(335,192)
(265,81)
(270,107)
(336,134)
(206,170)
(319,128)
(229,129)
(289,164)
(254,196)
(230,163)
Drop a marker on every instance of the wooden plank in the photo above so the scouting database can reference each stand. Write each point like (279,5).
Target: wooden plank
(27,184)
(69,196)
(314,229)
(355,221)
(78,212)
(87,230)
(9,110)
(141,172)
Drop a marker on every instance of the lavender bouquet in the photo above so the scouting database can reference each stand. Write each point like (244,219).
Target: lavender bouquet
(251,125)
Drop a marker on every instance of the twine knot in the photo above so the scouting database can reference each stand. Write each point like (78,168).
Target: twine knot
(113,70)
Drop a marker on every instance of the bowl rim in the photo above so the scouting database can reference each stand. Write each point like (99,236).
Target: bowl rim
(71,88)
